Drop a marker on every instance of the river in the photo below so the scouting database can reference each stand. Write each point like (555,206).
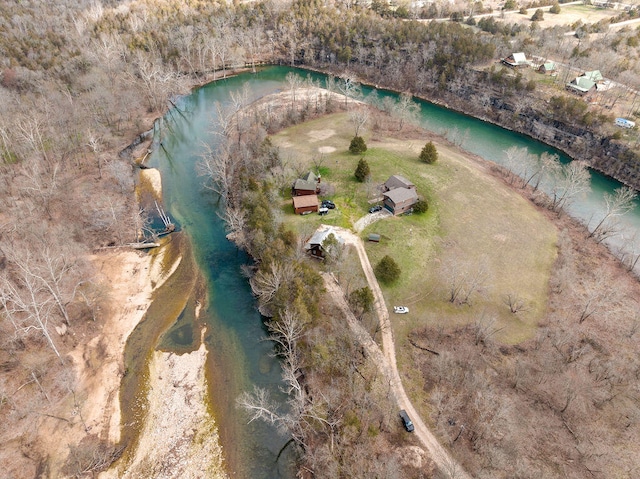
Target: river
(239,358)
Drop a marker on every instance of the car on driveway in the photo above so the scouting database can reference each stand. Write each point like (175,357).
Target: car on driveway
(328,204)
(375,209)
(400,309)
(323,211)
(406,421)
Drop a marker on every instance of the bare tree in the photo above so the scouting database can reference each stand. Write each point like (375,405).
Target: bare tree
(359,117)
(348,85)
(267,281)
(158,82)
(29,307)
(568,182)
(485,327)
(463,279)
(218,166)
(515,302)
(617,204)
(406,109)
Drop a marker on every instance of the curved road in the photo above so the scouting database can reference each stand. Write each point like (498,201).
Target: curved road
(386,359)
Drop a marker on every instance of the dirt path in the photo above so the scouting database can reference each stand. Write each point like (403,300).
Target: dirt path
(386,359)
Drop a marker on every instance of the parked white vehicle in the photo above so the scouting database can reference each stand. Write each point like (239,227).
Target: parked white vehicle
(624,123)
(400,309)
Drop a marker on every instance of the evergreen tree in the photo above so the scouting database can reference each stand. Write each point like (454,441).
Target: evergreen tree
(362,171)
(357,145)
(538,16)
(387,270)
(362,300)
(429,153)
(421,206)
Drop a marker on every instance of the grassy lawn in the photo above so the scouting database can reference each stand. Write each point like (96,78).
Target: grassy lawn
(474,221)
(569,14)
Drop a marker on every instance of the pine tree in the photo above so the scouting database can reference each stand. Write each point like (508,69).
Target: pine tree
(429,153)
(362,171)
(357,145)
(387,270)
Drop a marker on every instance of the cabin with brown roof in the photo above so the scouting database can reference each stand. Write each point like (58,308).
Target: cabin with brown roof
(397,181)
(400,200)
(305,203)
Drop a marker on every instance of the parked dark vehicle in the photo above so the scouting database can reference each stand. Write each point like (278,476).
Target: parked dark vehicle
(328,204)
(408,425)
(375,208)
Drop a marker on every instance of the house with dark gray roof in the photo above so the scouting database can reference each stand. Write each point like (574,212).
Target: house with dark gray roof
(400,200)
(316,245)
(308,184)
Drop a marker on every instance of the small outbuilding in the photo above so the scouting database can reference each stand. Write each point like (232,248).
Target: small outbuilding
(374,238)
(305,203)
(548,68)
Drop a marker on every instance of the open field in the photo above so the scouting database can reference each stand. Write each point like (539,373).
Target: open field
(474,223)
(569,14)
(511,394)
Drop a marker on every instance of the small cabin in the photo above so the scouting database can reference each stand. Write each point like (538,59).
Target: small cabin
(516,60)
(624,123)
(316,245)
(548,68)
(305,204)
(581,85)
(374,238)
(308,184)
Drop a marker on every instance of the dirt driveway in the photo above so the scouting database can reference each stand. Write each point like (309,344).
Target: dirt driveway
(386,359)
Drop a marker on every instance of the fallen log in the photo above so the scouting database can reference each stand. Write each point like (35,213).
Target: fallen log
(142,245)
(413,343)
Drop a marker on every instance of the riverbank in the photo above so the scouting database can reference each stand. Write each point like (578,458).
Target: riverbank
(179,437)
(98,364)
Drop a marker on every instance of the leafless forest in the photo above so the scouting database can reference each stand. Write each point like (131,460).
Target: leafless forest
(79,80)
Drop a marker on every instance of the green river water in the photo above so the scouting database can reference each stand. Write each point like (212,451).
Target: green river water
(239,358)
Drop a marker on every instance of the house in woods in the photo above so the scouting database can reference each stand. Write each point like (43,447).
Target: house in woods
(588,83)
(397,181)
(595,76)
(316,245)
(516,60)
(548,68)
(305,204)
(400,200)
(308,184)
(581,85)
